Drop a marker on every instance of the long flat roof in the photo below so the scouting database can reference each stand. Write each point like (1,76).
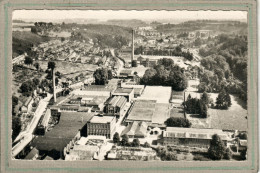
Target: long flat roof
(101,119)
(149,111)
(161,94)
(194,133)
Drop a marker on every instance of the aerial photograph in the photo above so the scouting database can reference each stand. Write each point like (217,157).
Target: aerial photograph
(102,85)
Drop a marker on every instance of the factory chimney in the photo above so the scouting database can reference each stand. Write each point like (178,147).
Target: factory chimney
(133,49)
(53,83)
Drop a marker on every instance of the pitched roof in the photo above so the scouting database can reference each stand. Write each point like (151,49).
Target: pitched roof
(118,101)
(136,129)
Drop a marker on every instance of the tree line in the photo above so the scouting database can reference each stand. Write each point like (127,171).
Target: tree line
(225,63)
(165,73)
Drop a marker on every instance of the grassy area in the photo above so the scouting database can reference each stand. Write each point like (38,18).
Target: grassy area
(232,119)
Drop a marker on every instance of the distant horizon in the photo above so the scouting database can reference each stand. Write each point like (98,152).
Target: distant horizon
(145,15)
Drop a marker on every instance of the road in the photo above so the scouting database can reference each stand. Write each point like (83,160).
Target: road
(27,136)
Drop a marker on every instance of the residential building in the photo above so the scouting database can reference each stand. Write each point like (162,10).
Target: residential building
(102,126)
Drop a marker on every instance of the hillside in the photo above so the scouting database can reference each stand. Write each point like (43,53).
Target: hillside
(127,23)
(217,26)
(23,41)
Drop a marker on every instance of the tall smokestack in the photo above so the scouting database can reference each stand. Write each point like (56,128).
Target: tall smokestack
(133,48)
(53,83)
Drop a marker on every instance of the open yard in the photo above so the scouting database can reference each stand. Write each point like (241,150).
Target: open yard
(68,68)
(235,118)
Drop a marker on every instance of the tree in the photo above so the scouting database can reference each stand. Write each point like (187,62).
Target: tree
(223,100)
(28,60)
(136,143)
(243,154)
(16,127)
(177,122)
(228,154)
(36,81)
(101,76)
(116,138)
(51,65)
(203,109)
(109,74)
(14,104)
(217,148)
(146,145)
(125,140)
(37,65)
(205,98)
(134,63)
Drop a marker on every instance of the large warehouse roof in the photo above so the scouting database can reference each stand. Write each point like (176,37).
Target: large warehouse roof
(161,94)
(69,125)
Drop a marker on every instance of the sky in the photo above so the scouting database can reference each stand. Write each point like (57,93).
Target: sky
(133,14)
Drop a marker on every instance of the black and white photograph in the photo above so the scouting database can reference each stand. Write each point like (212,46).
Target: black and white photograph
(129,85)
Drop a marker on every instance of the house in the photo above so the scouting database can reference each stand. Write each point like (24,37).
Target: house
(115,106)
(192,137)
(137,129)
(27,106)
(101,126)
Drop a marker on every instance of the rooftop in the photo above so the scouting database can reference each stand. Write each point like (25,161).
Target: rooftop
(161,94)
(149,111)
(123,90)
(194,133)
(101,119)
(69,125)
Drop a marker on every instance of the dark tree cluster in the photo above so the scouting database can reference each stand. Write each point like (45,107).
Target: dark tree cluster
(42,26)
(16,126)
(166,154)
(177,122)
(28,86)
(197,106)
(102,75)
(218,150)
(28,60)
(164,52)
(227,59)
(165,74)
(125,141)
(105,40)
(223,100)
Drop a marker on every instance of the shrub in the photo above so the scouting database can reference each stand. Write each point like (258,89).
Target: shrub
(200,158)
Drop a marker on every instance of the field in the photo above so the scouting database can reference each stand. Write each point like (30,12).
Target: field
(68,68)
(235,118)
